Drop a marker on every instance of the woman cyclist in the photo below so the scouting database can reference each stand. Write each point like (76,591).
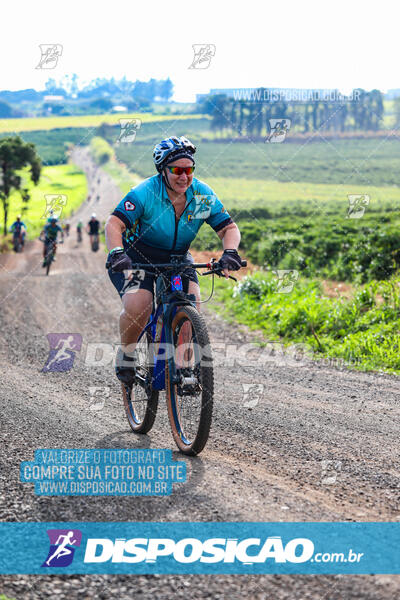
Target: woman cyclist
(158,218)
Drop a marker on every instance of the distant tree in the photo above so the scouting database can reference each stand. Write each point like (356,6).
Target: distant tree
(15,154)
(220,118)
(102,104)
(344,111)
(307,117)
(375,109)
(358,109)
(396,105)
(241,117)
(233,116)
(5,110)
(166,89)
(54,89)
(207,104)
(315,110)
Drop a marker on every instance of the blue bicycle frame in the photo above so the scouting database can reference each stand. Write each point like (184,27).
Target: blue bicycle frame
(169,301)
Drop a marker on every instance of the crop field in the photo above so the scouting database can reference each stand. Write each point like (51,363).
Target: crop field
(361,162)
(50,123)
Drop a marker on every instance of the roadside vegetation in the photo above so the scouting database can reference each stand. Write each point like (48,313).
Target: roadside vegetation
(361,332)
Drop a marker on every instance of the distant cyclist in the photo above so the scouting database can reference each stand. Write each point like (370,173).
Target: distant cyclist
(93,229)
(49,236)
(18,228)
(67,227)
(79,227)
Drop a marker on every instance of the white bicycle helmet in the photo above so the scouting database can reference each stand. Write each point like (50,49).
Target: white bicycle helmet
(171,149)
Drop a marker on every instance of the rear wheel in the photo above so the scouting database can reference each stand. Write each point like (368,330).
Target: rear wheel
(190,401)
(141,403)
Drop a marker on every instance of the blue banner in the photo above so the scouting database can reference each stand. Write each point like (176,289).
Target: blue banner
(206,548)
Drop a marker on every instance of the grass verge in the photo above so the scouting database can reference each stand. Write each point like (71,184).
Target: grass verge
(362,330)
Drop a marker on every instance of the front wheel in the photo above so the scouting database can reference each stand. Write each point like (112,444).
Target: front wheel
(49,257)
(190,399)
(141,401)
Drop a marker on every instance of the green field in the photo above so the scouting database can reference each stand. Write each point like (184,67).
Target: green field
(61,179)
(50,123)
(366,162)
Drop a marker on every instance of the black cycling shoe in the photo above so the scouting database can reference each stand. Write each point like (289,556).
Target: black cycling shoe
(125,368)
(126,375)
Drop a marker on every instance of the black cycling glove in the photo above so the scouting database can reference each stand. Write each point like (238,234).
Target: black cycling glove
(230,260)
(118,261)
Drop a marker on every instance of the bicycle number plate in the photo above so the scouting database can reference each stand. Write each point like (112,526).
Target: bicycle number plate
(176,282)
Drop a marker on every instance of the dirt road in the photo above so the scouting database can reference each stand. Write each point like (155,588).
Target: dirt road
(321,444)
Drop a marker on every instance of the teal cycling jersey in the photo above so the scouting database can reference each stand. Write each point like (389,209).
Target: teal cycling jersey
(17,226)
(51,232)
(149,214)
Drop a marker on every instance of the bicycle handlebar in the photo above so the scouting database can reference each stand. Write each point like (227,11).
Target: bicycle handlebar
(180,265)
(213,266)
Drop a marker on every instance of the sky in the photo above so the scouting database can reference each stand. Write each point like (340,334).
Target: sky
(307,44)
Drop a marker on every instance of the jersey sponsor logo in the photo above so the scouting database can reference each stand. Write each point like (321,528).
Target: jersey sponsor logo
(129,205)
(190,217)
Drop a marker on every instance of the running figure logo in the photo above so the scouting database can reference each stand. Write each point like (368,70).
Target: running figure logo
(286,280)
(252,394)
(54,205)
(128,130)
(63,347)
(50,55)
(357,205)
(203,54)
(279,130)
(62,547)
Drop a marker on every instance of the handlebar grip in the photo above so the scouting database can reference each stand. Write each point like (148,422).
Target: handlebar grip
(244,263)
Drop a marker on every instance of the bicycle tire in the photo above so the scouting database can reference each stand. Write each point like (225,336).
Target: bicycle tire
(203,371)
(49,259)
(137,423)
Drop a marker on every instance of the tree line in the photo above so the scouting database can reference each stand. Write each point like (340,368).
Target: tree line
(361,111)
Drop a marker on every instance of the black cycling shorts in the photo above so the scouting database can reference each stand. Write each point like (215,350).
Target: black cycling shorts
(141,253)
